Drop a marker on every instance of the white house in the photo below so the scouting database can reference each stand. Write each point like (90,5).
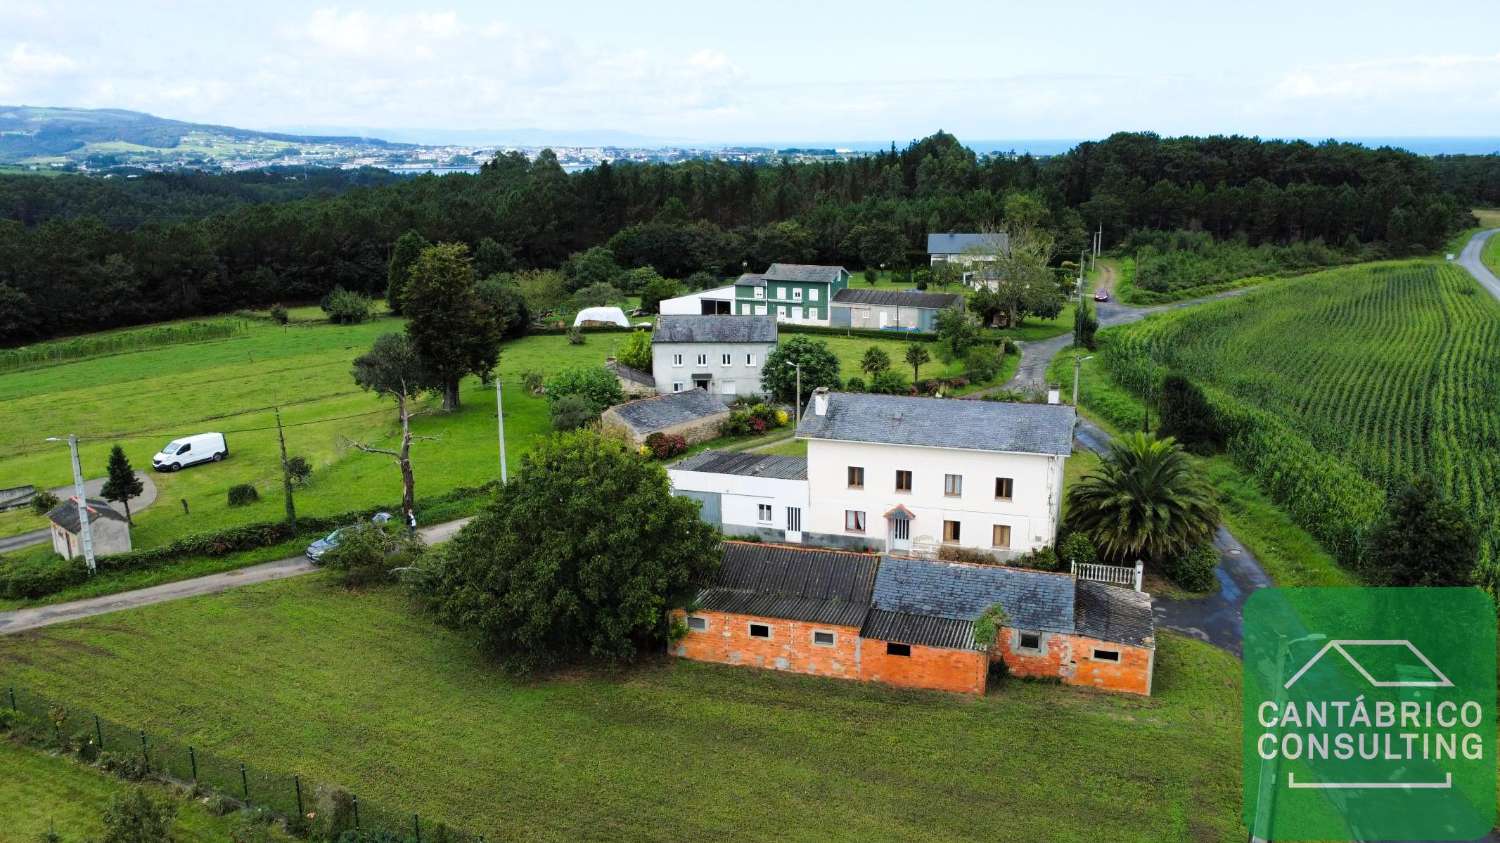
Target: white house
(721,355)
(109,529)
(966,248)
(754,495)
(909,475)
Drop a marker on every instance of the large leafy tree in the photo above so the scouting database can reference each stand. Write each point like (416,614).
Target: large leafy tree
(1020,277)
(1144,502)
(453,330)
(635,352)
(393,369)
(506,304)
(958,331)
(404,253)
(1422,540)
(577,559)
(591,266)
(121,483)
(820,367)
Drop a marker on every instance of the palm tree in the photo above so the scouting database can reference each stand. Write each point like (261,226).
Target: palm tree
(1144,502)
(916,355)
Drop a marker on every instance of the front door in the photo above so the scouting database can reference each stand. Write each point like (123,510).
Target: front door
(900,534)
(883,317)
(794,524)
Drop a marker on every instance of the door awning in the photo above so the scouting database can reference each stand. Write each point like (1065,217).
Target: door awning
(900,512)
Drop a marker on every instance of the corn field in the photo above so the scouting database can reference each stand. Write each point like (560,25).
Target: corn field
(117,342)
(1342,385)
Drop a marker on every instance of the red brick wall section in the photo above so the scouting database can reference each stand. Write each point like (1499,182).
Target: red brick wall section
(727,641)
(1071,658)
(960,671)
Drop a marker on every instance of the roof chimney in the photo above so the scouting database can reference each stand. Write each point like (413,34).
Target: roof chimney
(1054,396)
(820,401)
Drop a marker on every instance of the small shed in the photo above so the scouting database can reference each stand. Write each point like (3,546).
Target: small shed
(633,382)
(111,532)
(601,316)
(693,414)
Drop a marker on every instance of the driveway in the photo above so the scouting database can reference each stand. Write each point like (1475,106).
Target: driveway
(91,489)
(1469,259)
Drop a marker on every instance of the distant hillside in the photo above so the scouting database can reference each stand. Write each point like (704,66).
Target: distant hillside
(28,133)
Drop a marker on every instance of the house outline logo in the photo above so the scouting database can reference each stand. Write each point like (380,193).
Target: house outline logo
(1338,645)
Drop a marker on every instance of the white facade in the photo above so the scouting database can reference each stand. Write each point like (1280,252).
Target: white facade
(933,497)
(720,368)
(767,507)
(720,300)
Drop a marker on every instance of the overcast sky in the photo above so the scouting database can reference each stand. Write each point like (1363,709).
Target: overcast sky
(774,71)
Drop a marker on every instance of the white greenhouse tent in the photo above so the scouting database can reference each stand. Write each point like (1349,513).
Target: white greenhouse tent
(602,316)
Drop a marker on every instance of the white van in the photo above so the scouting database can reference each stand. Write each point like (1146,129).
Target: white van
(191,450)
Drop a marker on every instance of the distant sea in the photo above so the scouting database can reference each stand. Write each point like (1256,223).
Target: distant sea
(1057,146)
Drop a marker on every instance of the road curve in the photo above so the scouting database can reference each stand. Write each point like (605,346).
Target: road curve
(1469,259)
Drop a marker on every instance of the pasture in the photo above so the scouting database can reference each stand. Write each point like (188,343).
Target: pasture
(668,749)
(1342,384)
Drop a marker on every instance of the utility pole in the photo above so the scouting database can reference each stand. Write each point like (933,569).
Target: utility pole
(500,418)
(86,530)
(1077,368)
(286,475)
(798,407)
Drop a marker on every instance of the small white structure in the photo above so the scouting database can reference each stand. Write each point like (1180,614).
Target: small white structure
(110,530)
(722,355)
(601,316)
(705,303)
(756,495)
(966,248)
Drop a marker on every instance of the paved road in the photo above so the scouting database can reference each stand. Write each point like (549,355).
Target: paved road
(1469,259)
(24,619)
(91,488)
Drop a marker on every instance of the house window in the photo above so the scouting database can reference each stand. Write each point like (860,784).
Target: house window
(903,481)
(780,310)
(727,388)
(823,638)
(1000,536)
(749,359)
(1106,655)
(697,624)
(677,360)
(760,292)
(854,521)
(953,485)
(760,310)
(950,531)
(760,630)
(1004,487)
(781,292)
(676,386)
(894,649)
(856,477)
(763,512)
(812,295)
(1030,641)
(797,294)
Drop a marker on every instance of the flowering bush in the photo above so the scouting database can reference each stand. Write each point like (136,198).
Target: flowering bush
(665,445)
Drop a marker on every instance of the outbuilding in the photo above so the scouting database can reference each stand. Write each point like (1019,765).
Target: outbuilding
(595,316)
(110,530)
(891,310)
(694,415)
(760,496)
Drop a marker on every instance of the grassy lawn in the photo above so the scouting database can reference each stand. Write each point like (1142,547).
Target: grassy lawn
(41,792)
(669,749)
(789,448)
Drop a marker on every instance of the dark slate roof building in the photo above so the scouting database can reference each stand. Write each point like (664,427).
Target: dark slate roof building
(66,514)
(1111,613)
(750,279)
(898,298)
(940,423)
(715,329)
(674,408)
(961,243)
(936,603)
(817,586)
(805,273)
(745,465)
(626,373)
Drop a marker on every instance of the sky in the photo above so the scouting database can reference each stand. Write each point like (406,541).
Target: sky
(772,71)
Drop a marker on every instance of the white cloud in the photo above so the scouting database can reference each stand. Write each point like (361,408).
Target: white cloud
(1403,78)
(28,60)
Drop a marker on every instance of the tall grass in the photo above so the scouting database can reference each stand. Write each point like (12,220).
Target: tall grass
(117,342)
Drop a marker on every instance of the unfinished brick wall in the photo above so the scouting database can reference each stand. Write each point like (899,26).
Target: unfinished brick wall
(960,671)
(1071,659)
(790,647)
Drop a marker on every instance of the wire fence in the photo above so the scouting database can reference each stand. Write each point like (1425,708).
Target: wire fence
(317,810)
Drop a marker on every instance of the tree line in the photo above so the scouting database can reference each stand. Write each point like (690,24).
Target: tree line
(76,261)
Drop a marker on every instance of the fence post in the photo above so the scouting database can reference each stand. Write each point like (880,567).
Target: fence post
(355,800)
(297,783)
(416,827)
(1139,573)
(245,782)
(145,752)
(13,699)
(98,733)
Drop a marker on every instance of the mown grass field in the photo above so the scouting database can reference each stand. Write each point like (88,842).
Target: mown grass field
(1343,384)
(667,750)
(41,793)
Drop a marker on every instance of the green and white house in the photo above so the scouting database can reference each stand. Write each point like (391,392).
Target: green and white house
(792,292)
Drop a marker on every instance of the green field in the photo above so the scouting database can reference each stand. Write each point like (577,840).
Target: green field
(667,750)
(1342,384)
(1491,254)
(41,793)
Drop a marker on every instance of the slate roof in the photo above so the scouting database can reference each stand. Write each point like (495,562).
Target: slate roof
(942,423)
(772,581)
(804,273)
(720,329)
(1112,613)
(620,370)
(745,465)
(897,298)
(750,279)
(66,514)
(958,243)
(650,414)
(1032,599)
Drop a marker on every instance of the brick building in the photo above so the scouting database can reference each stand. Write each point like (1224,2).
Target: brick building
(910,622)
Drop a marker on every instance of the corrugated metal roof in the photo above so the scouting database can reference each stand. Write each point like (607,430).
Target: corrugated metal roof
(659,411)
(897,298)
(721,328)
(1032,599)
(804,273)
(835,612)
(957,243)
(1112,613)
(943,423)
(775,581)
(745,464)
(924,630)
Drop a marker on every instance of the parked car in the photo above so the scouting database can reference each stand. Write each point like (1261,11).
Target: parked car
(1102,295)
(316,550)
(191,450)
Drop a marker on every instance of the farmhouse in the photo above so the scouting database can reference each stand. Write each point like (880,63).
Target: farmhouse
(911,475)
(694,415)
(722,355)
(966,249)
(912,622)
(110,530)
(891,310)
(753,495)
(791,292)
